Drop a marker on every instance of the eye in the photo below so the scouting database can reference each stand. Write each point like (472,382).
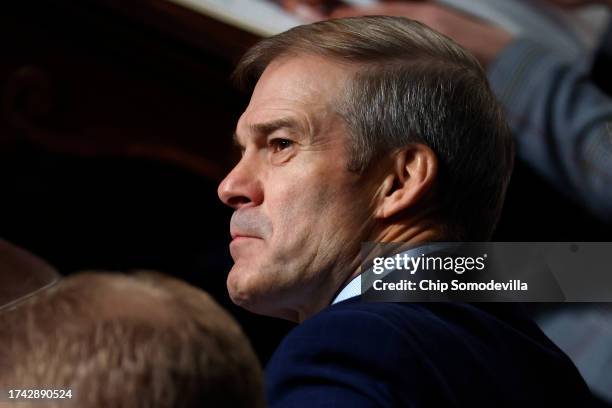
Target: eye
(280,144)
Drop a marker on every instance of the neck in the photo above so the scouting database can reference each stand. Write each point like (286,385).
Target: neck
(413,231)
(408,231)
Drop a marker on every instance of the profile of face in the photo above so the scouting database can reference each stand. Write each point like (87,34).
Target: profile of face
(299,213)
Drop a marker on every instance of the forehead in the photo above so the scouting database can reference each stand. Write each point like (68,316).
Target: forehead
(302,76)
(298,88)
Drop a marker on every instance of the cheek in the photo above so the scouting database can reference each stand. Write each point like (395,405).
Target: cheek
(297,209)
(318,219)
(314,207)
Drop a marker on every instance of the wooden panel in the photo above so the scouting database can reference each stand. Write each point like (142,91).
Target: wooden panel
(99,79)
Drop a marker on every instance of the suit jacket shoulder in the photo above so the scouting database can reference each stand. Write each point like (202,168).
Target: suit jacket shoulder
(362,354)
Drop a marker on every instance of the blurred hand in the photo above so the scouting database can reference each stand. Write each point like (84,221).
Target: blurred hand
(579,3)
(315,10)
(310,10)
(482,39)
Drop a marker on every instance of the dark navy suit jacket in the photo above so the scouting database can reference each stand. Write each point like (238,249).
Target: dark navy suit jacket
(363,354)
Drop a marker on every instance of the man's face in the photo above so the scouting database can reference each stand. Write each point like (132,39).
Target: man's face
(300,215)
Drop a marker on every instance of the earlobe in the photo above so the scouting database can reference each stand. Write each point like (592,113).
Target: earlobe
(412,177)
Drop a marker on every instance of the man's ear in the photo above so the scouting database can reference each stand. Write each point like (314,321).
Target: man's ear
(412,176)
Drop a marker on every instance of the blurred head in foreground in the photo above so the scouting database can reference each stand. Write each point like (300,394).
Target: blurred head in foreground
(128,341)
(363,129)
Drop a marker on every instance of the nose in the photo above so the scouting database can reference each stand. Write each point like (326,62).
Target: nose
(241,187)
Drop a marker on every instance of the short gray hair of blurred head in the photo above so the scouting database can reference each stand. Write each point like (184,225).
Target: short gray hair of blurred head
(145,340)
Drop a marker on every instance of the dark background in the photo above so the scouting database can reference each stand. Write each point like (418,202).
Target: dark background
(115,130)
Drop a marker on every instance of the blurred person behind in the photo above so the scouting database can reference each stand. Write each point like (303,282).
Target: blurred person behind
(127,341)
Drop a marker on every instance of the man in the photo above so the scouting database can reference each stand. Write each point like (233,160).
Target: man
(110,340)
(376,129)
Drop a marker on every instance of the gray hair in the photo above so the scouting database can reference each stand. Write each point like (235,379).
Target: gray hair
(170,346)
(413,85)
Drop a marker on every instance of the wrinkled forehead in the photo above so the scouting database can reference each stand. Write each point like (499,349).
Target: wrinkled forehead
(305,86)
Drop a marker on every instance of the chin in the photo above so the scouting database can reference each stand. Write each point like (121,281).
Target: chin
(248,290)
(242,286)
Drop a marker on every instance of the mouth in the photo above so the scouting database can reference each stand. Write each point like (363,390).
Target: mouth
(236,237)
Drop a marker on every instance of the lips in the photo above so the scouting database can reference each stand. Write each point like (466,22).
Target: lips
(243,236)
(238,234)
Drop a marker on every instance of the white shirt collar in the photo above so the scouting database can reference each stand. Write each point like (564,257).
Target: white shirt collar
(353,288)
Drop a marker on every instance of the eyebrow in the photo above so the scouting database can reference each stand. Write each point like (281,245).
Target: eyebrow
(269,127)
